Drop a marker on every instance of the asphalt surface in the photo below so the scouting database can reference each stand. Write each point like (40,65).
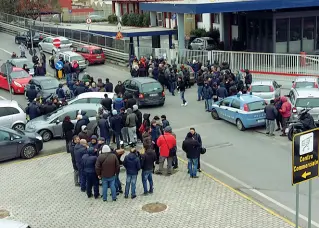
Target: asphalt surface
(249,161)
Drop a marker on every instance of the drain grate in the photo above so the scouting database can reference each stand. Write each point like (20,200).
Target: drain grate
(4,214)
(154,207)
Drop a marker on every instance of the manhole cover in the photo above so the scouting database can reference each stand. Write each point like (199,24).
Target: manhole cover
(154,207)
(4,214)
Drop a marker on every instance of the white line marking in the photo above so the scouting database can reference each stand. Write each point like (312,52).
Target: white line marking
(8,52)
(259,193)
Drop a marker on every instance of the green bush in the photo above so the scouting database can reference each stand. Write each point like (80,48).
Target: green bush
(199,32)
(133,19)
(215,34)
(112,19)
(125,20)
(146,20)
(137,20)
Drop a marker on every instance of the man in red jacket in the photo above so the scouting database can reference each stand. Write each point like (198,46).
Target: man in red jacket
(165,143)
(285,112)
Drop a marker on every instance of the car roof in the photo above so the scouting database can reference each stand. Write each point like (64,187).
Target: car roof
(306,79)
(6,223)
(247,98)
(206,38)
(20,59)
(17,69)
(70,53)
(41,78)
(8,103)
(262,82)
(307,92)
(94,94)
(91,47)
(80,106)
(143,80)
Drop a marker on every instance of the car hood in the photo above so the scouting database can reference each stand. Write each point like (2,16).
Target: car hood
(22,81)
(37,121)
(31,134)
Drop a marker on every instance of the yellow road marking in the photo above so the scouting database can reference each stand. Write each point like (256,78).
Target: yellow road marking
(272,212)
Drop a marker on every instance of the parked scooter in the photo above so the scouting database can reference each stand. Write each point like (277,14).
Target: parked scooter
(305,122)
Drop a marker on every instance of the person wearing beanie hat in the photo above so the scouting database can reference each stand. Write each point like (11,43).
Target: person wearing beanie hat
(116,126)
(131,121)
(100,144)
(191,148)
(84,134)
(72,144)
(164,121)
(93,144)
(79,150)
(139,122)
(107,167)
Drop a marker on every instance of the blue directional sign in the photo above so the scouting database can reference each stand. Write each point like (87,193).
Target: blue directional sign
(59,65)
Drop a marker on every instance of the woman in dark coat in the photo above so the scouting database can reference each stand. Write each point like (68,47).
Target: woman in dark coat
(68,128)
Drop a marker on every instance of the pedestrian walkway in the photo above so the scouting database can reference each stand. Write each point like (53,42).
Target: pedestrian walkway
(40,192)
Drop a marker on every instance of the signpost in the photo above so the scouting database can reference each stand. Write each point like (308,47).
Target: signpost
(7,67)
(119,35)
(59,65)
(305,151)
(56,42)
(88,22)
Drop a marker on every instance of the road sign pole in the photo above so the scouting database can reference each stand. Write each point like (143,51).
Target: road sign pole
(88,33)
(309,203)
(297,206)
(31,36)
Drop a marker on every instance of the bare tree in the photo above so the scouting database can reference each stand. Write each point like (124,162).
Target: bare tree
(8,6)
(34,8)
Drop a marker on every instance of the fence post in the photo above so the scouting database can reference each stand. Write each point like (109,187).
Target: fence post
(232,61)
(251,61)
(64,32)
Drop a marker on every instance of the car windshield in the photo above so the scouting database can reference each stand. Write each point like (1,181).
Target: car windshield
(256,106)
(260,88)
(307,102)
(76,58)
(152,87)
(97,51)
(19,131)
(65,42)
(305,84)
(20,63)
(19,74)
(49,84)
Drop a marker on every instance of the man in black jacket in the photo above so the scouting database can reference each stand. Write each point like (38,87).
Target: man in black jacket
(107,103)
(200,85)
(75,141)
(31,93)
(192,150)
(271,114)
(108,86)
(119,88)
(181,87)
(147,164)
(248,78)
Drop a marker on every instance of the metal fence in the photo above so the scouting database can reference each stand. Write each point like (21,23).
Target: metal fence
(61,30)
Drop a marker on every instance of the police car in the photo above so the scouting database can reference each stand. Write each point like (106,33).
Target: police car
(246,111)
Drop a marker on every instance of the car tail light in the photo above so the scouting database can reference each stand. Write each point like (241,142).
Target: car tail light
(246,108)
(41,37)
(163,94)
(141,96)
(294,110)
(271,89)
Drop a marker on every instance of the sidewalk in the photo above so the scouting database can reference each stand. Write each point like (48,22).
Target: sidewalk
(40,192)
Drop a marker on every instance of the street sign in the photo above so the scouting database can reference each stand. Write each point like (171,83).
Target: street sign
(70,11)
(88,20)
(305,152)
(119,36)
(119,27)
(56,42)
(174,16)
(59,65)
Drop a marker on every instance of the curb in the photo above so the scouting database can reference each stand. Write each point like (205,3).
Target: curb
(55,150)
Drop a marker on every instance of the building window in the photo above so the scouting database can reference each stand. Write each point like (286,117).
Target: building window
(308,39)
(124,5)
(216,18)
(199,17)
(234,19)
(281,35)
(295,35)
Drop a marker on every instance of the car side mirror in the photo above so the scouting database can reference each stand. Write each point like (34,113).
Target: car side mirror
(57,121)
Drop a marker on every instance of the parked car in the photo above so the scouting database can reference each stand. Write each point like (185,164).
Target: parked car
(90,97)
(305,82)
(50,126)
(147,91)
(246,111)
(16,143)
(92,54)
(44,85)
(19,62)
(12,115)
(191,71)
(47,45)
(25,37)
(203,43)
(302,98)
(266,89)
(19,78)
(72,56)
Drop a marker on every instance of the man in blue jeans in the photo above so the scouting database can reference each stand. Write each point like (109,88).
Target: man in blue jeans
(107,167)
(192,150)
(208,95)
(200,85)
(132,165)
(79,150)
(147,163)
(181,88)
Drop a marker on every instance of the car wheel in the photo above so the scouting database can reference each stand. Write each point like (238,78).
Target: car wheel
(240,125)
(215,114)
(12,91)
(53,52)
(103,62)
(28,151)
(46,135)
(19,126)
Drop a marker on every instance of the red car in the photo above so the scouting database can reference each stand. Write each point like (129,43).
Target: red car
(19,79)
(92,54)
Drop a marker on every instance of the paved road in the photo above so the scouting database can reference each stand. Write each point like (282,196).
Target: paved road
(248,161)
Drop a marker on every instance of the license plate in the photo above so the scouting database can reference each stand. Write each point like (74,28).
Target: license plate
(98,57)
(153,95)
(286,130)
(260,121)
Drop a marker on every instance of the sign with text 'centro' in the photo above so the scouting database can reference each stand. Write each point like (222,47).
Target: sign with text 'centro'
(305,152)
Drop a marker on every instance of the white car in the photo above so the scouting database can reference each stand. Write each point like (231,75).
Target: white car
(90,97)
(72,56)
(6,223)
(47,45)
(305,82)
(266,89)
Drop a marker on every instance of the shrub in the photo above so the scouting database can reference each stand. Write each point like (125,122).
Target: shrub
(215,34)
(125,20)
(146,20)
(112,19)
(199,32)
(134,19)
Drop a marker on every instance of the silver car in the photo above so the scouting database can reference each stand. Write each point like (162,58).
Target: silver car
(47,45)
(305,82)
(203,43)
(266,89)
(71,57)
(50,126)
(90,97)
(304,98)
(12,115)
(7,223)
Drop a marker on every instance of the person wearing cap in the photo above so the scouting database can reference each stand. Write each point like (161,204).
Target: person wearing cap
(89,160)
(116,125)
(79,150)
(192,150)
(132,165)
(75,141)
(166,143)
(93,144)
(107,167)
(131,121)
(84,134)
